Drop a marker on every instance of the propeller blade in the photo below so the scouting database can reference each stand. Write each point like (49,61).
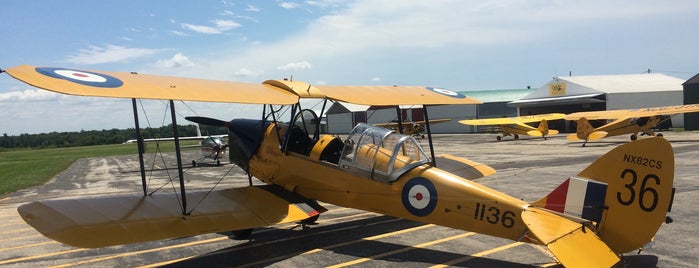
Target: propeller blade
(207,121)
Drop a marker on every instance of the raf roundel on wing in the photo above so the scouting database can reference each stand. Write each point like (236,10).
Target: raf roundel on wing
(82,77)
(446,92)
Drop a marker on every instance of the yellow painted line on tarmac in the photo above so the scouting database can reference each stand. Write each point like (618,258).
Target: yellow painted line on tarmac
(43,255)
(19,238)
(28,246)
(165,262)
(126,254)
(477,255)
(338,245)
(17,231)
(407,248)
(12,222)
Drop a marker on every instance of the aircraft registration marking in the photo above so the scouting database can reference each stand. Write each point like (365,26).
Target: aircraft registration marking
(643,161)
(81,77)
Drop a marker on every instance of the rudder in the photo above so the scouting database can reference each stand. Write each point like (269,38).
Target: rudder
(639,177)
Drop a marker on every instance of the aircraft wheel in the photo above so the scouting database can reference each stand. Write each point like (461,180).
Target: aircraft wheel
(218,162)
(634,137)
(194,163)
(242,234)
(516,137)
(498,138)
(659,135)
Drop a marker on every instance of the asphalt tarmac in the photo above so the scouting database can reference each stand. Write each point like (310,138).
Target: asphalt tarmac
(528,168)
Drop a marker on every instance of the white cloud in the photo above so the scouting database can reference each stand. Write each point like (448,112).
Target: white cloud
(245,72)
(178,60)
(295,66)
(220,26)
(288,5)
(108,54)
(252,8)
(29,95)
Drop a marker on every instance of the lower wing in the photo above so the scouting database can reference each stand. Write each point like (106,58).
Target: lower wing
(117,220)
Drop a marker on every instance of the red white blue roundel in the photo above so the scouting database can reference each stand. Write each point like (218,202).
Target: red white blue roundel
(419,196)
(81,77)
(447,92)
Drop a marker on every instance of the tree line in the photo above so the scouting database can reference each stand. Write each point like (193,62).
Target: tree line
(98,137)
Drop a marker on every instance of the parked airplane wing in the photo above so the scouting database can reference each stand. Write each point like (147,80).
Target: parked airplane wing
(142,86)
(512,120)
(643,112)
(115,220)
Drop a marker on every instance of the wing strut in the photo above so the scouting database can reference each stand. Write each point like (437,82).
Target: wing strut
(179,157)
(399,114)
(429,134)
(141,150)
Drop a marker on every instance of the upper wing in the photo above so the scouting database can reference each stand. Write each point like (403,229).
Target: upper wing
(134,85)
(643,112)
(513,120)
(395,95)
(141,86)
(115,220)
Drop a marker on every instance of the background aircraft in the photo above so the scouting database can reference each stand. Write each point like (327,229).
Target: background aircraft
(412,128)
(212,147)
(518,125)
(584,222)
(632,121)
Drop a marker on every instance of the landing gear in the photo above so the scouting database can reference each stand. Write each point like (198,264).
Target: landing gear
(634,137)
(498,138)
(243,234)
(194,163)
(516,136)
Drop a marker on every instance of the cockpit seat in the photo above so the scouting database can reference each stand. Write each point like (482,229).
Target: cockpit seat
(327,148)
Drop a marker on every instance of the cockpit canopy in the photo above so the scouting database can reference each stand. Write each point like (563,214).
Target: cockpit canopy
(380,153)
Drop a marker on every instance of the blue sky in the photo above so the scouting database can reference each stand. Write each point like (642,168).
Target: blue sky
(460,45)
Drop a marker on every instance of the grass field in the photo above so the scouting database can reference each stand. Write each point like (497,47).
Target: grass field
(20,169)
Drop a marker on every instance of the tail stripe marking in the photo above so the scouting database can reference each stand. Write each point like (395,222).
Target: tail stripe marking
(579,197)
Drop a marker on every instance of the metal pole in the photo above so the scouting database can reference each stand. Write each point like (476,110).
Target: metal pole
(179,157)
(429,134)
(141,150)
(399,114)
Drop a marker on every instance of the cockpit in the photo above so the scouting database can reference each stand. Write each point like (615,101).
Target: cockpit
(380,154)
(369,151)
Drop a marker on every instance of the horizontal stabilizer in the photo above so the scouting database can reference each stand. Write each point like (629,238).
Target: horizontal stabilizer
(463,167)
(116,220)
(535,133)
(573,244)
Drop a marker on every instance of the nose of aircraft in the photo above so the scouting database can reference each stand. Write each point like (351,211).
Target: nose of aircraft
(244,137)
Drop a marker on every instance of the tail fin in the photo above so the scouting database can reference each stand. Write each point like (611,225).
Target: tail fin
(627,192)
(586,132)
(544,128)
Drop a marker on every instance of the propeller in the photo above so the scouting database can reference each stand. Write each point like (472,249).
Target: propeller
(207,121)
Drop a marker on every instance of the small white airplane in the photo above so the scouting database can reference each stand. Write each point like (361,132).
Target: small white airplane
(212,146)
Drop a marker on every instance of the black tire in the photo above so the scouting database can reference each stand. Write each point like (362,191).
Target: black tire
(243,234)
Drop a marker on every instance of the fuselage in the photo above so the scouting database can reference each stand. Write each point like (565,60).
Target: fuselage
(424,193)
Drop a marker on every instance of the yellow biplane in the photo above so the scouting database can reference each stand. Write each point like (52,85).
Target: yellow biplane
(631,121)
(584,222)
(518,125)
(413,128)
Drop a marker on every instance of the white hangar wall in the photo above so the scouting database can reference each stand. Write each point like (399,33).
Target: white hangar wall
(618,101)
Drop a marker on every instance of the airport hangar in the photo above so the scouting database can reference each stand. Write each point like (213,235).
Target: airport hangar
(560,95)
